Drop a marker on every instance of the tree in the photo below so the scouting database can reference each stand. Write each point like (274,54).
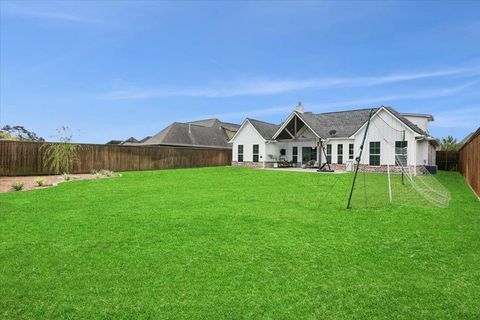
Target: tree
(448,144)
(19,133)
(5,135)
(61,156)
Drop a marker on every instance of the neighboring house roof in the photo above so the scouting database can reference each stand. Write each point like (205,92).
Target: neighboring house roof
(215,122)
(464,140)
(130,140)
(469,138)
(202,133)
(145,139)
(114,142)
(265,129)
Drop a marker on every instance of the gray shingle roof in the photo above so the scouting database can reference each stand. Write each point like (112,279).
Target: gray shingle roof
(266,130)
(202,133)
(130,141)
(114,142)
(346,123)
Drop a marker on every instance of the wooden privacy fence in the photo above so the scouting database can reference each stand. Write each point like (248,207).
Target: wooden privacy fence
(27,158)
(447,160)
(469,161)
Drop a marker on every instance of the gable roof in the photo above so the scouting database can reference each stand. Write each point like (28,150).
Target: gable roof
(265,129)
(130,140)
(345,123)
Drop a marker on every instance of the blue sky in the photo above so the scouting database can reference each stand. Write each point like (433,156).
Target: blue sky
(110,70)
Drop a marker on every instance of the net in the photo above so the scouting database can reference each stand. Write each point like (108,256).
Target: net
(388,172)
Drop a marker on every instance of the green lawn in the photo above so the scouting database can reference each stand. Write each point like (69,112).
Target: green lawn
(235,243)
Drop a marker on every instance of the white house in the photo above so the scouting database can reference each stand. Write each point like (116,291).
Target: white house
(335,138)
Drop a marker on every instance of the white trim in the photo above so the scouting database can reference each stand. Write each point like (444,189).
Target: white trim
(285,123)
(241,127)
(305,122)
(376,113)
(340,138)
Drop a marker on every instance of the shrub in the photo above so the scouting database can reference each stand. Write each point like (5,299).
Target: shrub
(40,181)
(66,176)
(17,186)
(61,157)
(107,173)
(103,173)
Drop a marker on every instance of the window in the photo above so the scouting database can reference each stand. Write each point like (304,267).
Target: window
(255,153)
(240,153)
(329,153)
(350,151)
(309,154)
(339,153)
(295,154)
(400,153)
(374,153)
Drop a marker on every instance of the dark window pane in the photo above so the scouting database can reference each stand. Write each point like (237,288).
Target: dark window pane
(401,153)
(240,153)
(350,151)
(329,153)
(340,153)
(374,159)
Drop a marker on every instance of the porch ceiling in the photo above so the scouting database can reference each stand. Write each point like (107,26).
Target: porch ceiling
(291,130)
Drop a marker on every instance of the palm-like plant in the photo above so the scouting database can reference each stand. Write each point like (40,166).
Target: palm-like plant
(61,156)
(448,144)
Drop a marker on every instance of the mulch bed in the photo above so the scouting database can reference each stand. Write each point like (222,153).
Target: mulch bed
(29,181)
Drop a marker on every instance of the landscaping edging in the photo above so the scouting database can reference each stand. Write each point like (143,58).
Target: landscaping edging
(51,181)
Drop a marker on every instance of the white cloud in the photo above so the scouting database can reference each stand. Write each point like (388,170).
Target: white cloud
(256,87)
(351,103)
(458,117)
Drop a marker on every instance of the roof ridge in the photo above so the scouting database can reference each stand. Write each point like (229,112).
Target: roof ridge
(363,109)
(205,120)
(188,124)
(273,124)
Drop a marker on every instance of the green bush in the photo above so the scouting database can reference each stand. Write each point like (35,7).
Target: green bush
(40,181)
(17,186)
(66,176)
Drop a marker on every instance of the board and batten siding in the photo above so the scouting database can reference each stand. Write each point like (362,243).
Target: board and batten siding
(381,129)
(248,136)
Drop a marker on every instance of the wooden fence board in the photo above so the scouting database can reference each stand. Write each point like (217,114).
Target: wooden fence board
(469,161)
(26,158)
